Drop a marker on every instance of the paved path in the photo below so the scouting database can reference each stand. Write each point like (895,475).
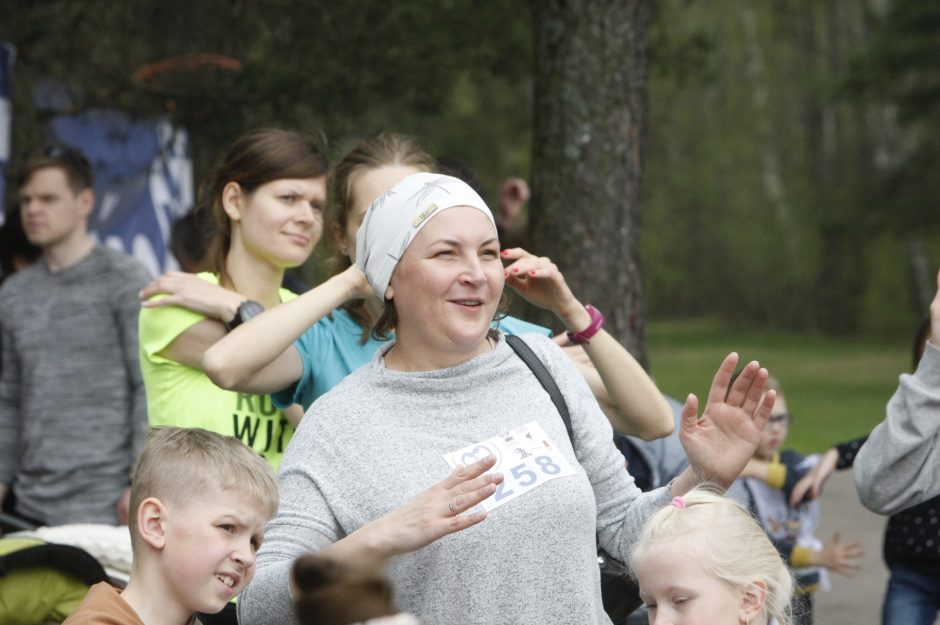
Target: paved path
(855,601)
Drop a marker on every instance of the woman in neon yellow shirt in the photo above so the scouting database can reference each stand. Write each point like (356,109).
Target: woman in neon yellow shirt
(267,200)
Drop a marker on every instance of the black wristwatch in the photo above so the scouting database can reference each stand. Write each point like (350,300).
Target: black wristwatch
(246,310)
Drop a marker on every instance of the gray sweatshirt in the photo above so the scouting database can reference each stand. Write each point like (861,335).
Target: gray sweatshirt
(378,439)
(899,465)
(72,401)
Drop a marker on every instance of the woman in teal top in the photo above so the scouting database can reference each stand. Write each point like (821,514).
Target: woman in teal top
(301,349)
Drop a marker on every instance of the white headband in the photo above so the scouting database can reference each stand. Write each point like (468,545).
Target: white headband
(395,218)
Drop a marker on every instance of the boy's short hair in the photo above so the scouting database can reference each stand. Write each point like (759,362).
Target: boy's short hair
(178,465)
(70,160)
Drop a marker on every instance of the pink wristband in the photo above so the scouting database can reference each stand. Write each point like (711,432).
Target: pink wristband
(584,336)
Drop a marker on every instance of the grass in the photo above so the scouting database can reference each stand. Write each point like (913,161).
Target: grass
(836,388)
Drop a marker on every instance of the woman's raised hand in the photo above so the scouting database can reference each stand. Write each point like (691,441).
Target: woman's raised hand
(721,442)
(440,510)
(190,291)
(539,281)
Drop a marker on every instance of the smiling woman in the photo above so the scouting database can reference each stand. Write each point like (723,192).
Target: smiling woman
(446,427)
(267,201)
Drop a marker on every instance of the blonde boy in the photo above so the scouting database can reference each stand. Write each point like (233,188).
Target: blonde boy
(199,503)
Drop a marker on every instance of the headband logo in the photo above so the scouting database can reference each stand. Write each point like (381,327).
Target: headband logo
(423,215)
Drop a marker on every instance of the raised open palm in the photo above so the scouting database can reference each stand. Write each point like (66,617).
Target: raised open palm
(723,439)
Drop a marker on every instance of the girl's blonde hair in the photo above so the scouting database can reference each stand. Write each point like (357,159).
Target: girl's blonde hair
(725,540)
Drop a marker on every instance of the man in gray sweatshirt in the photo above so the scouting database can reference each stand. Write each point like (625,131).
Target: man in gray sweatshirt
(72,402)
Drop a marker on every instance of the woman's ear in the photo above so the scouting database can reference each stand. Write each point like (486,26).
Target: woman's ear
(389,292)
(151,522)
(753,600)
(233,199)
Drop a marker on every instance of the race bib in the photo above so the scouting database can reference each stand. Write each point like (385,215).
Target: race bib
(526,457)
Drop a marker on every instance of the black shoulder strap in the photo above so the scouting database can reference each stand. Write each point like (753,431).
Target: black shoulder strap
(544,377)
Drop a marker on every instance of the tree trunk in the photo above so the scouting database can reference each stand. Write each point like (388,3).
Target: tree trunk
(591,87)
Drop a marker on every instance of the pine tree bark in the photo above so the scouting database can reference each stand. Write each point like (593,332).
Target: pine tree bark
(591,92)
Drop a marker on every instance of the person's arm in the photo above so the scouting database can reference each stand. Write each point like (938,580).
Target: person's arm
(783,472)
(219,306)
(840,457)
(629,397)
(304,525)
(258,356)
(9,410)
(719,444)
(836,556)
(126,310)
(899,466)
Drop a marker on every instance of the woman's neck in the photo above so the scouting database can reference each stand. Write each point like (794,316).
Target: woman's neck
(412,356)
(255,279)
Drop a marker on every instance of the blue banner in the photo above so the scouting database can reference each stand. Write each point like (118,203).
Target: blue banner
(143,179)
(7,59)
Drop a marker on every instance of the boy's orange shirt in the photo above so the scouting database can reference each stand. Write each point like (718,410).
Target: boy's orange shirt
(103,605)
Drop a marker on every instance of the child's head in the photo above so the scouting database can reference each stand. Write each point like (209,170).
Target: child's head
(704,559)
(778,424)
(331,594)
(199,503)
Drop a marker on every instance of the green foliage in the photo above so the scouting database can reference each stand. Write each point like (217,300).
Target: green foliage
(770,188)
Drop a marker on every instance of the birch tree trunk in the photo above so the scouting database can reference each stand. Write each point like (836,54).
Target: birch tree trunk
(591,84)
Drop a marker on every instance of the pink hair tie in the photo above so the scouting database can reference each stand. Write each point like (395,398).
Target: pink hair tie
(678,502)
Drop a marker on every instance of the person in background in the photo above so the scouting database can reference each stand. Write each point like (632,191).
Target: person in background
(765,486)
(300,351)
(199,503)
(389,466)
(704,560)
(267,200)
(899,465)
(912,535)
(72,401)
